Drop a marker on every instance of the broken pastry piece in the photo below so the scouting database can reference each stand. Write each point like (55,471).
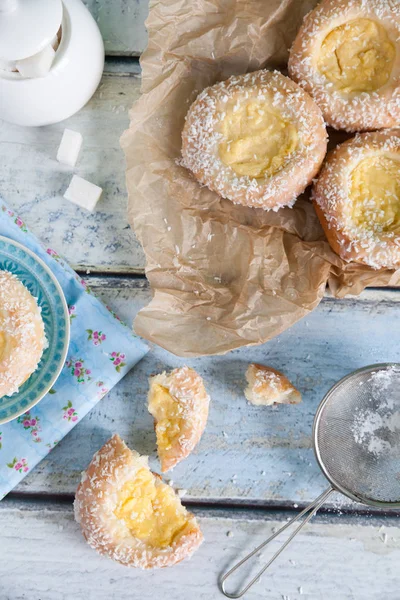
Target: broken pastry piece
(128,514)
(268,386)
(179,404)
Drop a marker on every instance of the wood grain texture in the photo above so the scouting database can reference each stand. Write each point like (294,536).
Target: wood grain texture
(33,182)
(43,555)
(121,23)
(248,454)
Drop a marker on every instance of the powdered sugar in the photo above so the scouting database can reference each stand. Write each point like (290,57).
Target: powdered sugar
(378,429)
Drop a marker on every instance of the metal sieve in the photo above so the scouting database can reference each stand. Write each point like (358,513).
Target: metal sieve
(356,437)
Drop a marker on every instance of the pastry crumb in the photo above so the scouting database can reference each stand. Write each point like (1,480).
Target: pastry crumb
(267,386)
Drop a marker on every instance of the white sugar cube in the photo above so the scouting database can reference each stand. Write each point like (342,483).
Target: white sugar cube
(70,147)
(83,193)
(37,65)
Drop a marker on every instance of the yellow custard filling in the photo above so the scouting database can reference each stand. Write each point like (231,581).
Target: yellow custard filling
(168,414)
(2,344)
(375,194)
(257,139)
(152,512)
(357,56)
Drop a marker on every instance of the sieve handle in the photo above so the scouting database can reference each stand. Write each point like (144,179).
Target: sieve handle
(311,509)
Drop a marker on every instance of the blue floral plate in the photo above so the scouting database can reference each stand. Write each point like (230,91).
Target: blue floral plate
(42,284)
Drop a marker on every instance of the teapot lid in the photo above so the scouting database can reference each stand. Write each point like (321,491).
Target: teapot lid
(27,26)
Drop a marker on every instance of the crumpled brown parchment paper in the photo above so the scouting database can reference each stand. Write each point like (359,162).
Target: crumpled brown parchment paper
(223,276)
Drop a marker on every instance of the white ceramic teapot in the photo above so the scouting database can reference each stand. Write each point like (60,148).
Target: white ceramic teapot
(51,60)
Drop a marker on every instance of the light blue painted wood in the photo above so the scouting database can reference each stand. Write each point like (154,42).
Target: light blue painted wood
(43,555)
(33,182)
(121,23)
(247,454)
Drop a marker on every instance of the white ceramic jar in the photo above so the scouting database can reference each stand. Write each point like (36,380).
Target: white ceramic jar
(26,28)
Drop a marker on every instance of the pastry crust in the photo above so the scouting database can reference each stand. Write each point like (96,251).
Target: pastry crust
(371,242)
(22,334)
(352,110)
(277,102)
(111,468)
(268,386)
(183,393)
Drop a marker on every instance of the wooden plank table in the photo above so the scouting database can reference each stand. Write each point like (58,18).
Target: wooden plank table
(121,23)
(253,467)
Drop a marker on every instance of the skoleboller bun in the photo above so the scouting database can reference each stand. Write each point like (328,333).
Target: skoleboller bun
(22,334)
(357,198)
(347,56)
(127,513)
(257,139)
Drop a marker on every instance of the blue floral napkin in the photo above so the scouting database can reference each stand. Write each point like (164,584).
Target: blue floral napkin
(102,350)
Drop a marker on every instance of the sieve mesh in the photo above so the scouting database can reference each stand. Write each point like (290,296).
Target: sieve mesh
(357,435)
